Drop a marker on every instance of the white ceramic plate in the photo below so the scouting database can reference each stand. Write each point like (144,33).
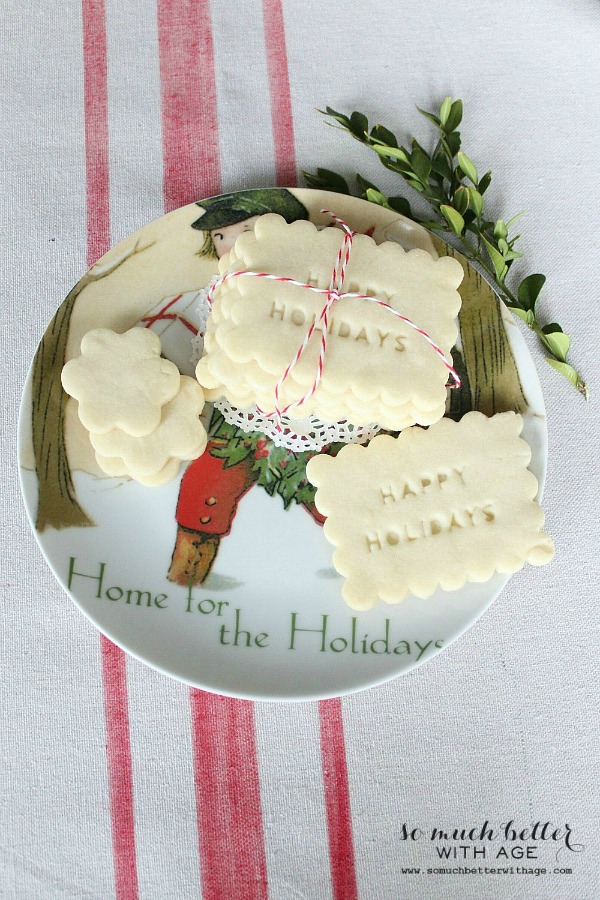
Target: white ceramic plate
(268,622)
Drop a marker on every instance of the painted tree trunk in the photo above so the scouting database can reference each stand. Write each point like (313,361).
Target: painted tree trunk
(493,376)
(58,506)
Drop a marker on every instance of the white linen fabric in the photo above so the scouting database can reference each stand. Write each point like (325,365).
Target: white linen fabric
(501,726)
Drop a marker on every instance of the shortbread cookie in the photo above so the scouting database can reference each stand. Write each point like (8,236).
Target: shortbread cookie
(431,508)
(374,362)
(116,468)
(121,381)
(179,436)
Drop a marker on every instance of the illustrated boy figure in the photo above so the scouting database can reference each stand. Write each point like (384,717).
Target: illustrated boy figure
(233,461)
(228,216)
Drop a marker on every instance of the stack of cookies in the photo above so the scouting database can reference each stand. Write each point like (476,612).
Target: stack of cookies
(142,416)
(377,367)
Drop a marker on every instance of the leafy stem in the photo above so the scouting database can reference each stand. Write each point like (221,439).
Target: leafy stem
(448,180)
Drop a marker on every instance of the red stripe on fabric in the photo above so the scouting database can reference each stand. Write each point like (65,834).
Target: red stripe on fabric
(281,98)
(118,744)
(120,776)
(95,100)
(337,801)
(333,750)
(189,102)
(230,830)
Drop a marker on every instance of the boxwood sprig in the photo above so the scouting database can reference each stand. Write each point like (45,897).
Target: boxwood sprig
(449,182)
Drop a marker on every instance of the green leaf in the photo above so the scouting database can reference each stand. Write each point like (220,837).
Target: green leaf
(484,183)
(421,163)
(569,372)
(326,180)
(435,193)
(496,260)
(524,314)
(312,181)
(454,117)
(453,218)
(476,202)
(503,247)
(384,136)
(397,166)
(551,327)
(445,111)
(500,230)
(559,344)
(392,152)
(339,117)
(441,166)
(364,185)
(467,167)
(374,196)
(529,290)
(431,116)
(453,142)
(461,199)
(359,125)
(514,219)
(402,206)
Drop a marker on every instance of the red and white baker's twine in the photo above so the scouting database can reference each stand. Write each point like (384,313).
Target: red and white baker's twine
(334,292)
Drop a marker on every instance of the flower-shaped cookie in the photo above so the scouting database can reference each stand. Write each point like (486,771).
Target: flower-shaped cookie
(121,381)
(431,508)
(155,458)
(115,467)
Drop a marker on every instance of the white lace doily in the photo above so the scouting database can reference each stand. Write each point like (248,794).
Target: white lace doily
(202,314)
(297,435)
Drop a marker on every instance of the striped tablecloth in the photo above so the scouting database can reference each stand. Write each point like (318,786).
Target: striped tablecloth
(118,782)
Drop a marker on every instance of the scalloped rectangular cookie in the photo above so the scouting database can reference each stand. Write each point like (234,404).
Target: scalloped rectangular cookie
(373,361)
(431,508)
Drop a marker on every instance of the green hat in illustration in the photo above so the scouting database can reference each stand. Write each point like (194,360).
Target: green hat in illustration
(228,209)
